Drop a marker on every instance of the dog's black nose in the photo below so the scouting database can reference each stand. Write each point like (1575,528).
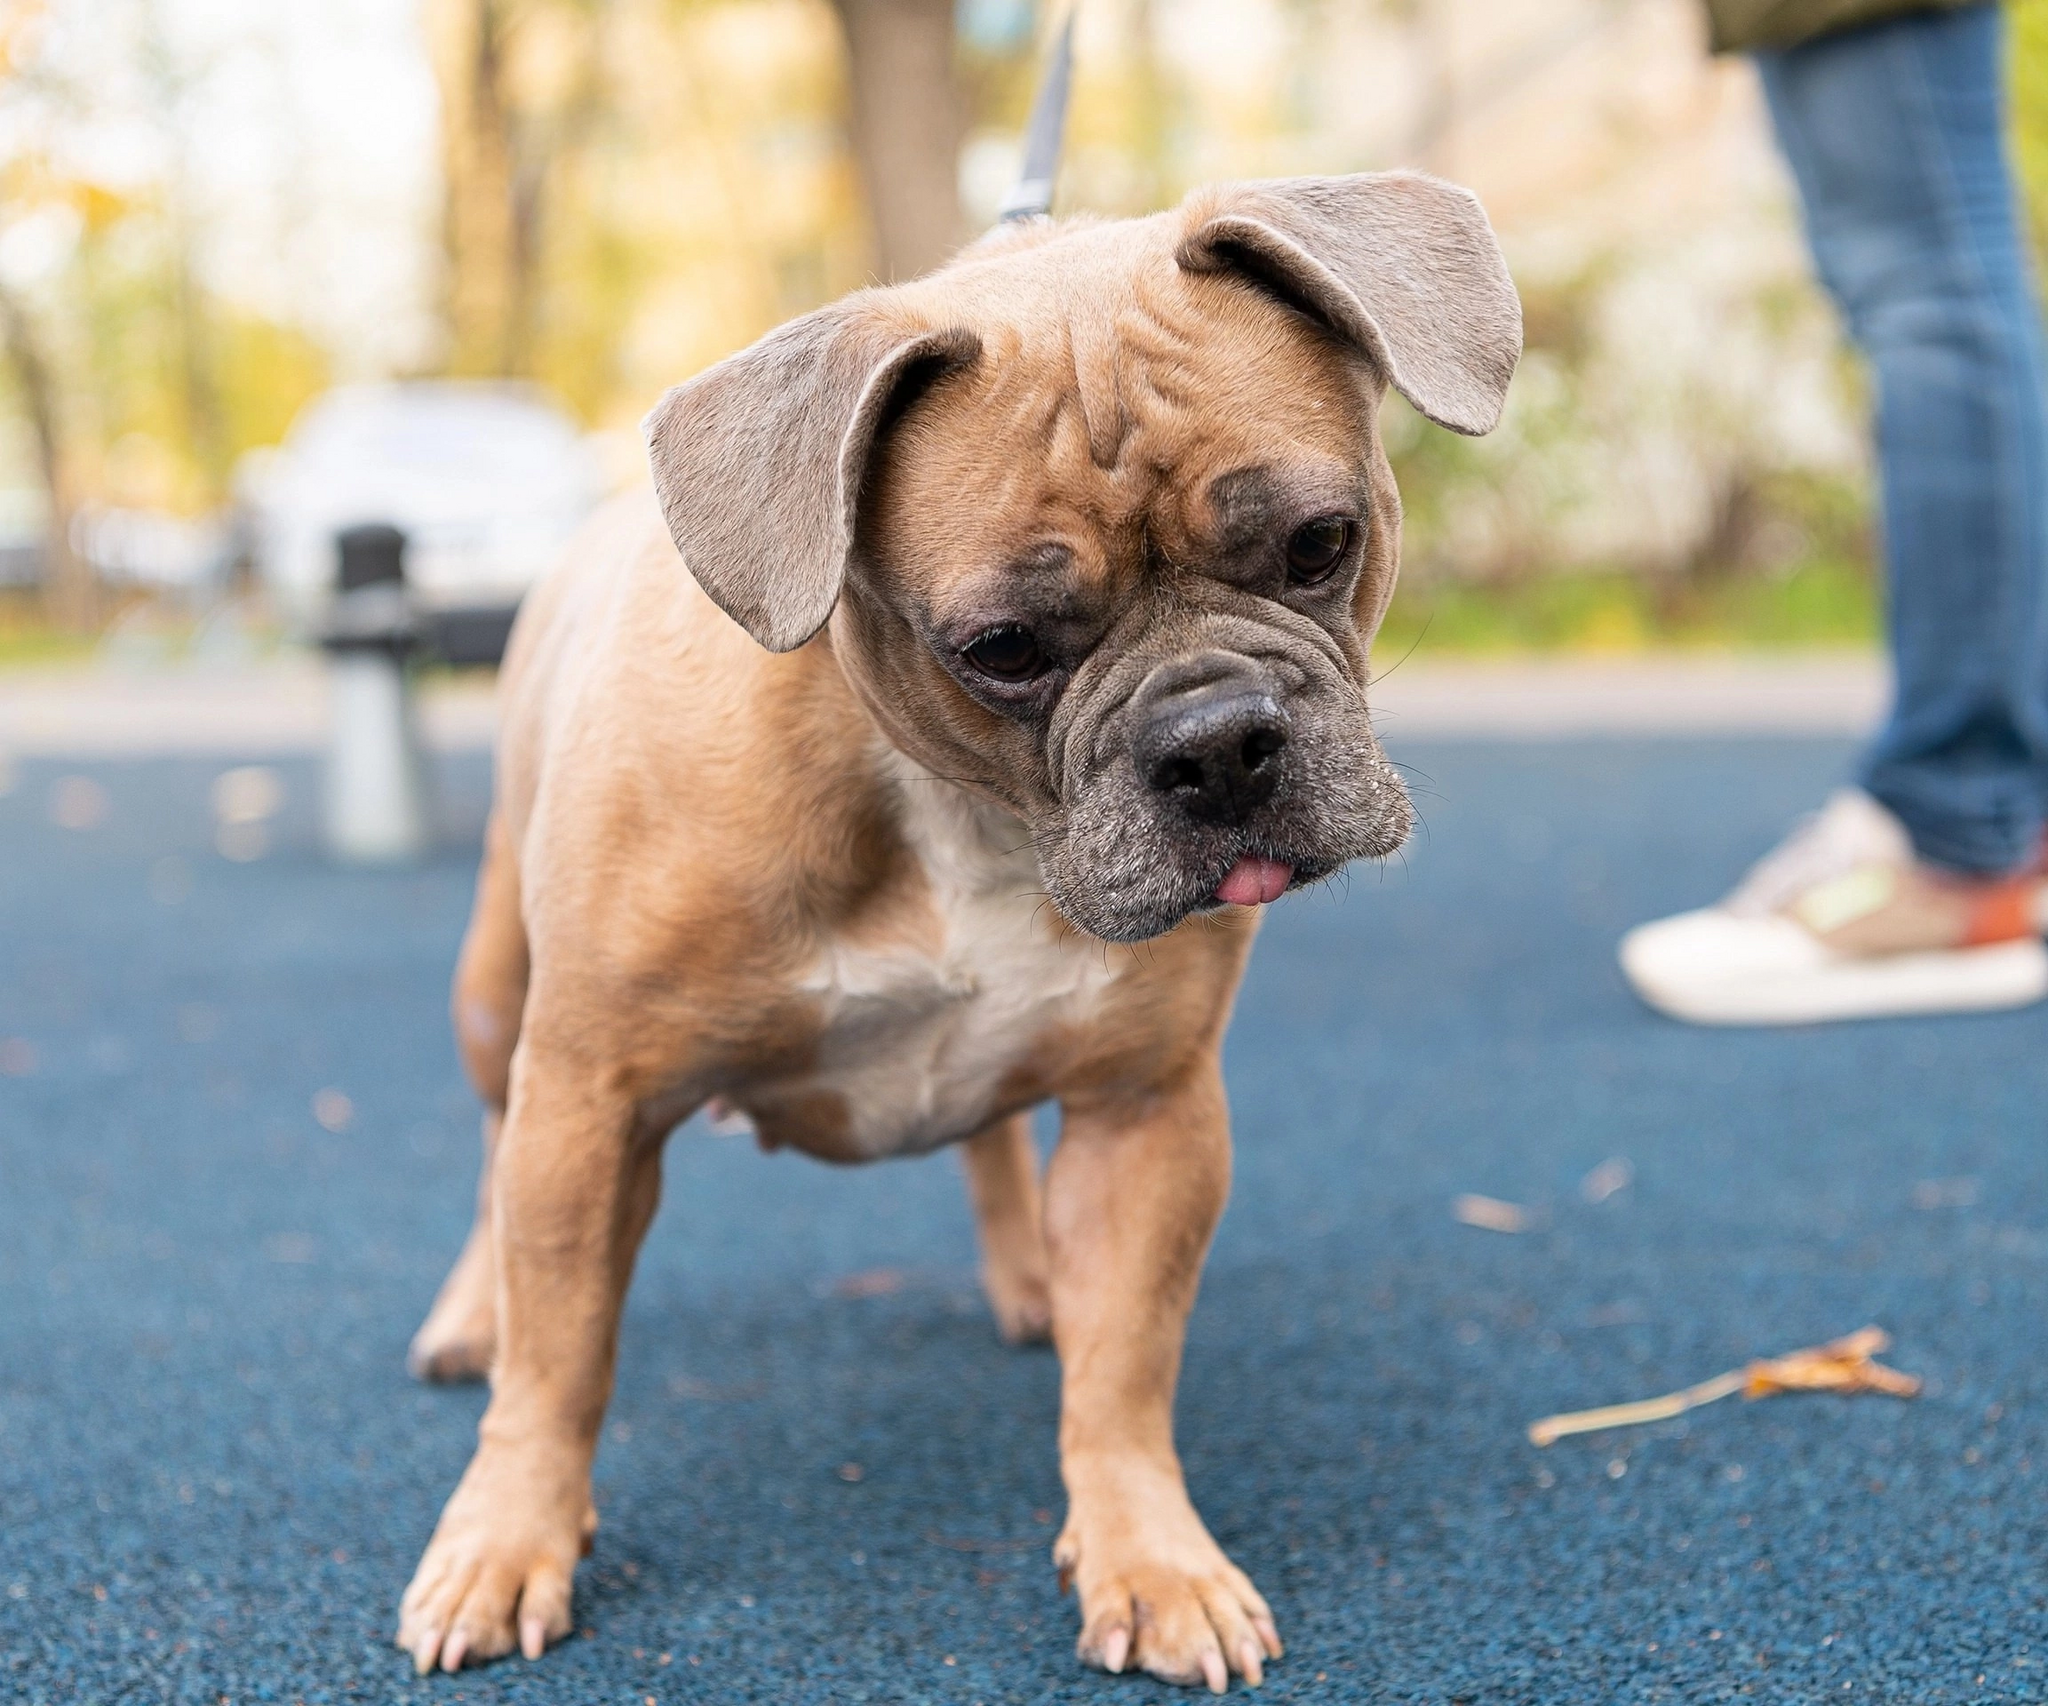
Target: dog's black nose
(1214,752)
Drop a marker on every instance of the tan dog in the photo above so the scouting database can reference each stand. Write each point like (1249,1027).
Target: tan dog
(1047,578)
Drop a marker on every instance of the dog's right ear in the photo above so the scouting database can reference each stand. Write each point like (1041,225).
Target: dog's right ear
(759,461)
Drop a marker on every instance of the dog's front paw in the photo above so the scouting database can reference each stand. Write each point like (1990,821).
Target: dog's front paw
(1158,1595)
(497,1572)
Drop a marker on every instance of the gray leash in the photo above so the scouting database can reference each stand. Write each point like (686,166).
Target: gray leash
(1031,196)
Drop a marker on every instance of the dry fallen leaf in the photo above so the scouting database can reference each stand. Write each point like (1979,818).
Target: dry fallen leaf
(1490,1214)
(1841,1365)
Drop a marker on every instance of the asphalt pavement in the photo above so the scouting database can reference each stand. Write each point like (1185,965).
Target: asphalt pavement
(236,1156)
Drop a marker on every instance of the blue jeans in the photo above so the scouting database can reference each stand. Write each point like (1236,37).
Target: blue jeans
(1894,133)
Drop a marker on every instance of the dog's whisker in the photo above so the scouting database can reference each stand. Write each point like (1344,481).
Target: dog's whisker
(1381,675)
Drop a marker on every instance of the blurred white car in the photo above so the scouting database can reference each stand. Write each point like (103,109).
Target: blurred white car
(487,480)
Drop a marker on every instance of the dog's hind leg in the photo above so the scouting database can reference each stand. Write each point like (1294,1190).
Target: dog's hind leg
(459,1336)
(1002,1178)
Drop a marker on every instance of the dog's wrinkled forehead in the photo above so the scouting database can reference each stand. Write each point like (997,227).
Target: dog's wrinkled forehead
(1076,354)
(1102,353)
(1131,412)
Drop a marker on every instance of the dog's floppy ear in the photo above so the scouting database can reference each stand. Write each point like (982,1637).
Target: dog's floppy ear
(759,461)
(1401,265)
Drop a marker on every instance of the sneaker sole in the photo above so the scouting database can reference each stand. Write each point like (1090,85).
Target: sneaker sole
(1963,980)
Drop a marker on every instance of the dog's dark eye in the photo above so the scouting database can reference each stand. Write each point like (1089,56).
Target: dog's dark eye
(1007,654)
(1317,547)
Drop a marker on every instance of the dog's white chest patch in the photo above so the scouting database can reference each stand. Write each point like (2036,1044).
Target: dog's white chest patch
(920,1042)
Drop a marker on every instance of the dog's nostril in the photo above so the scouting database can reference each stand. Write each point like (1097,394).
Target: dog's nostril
(1178,773)
(1260,745)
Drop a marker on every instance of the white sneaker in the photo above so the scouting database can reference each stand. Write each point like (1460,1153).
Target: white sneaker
(1842,922)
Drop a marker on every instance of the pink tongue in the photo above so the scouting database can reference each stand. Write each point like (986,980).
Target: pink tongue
(1253,882)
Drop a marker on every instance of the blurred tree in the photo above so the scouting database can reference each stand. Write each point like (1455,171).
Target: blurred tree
(633,188)
(35,196)
(68,588)
(134,380)
(168,86)
(547,124)
(909,119)
(520,89)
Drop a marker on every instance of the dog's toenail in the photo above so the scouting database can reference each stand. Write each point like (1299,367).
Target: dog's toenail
(1115,1650)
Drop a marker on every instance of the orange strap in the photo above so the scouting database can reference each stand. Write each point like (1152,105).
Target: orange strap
(2003,912)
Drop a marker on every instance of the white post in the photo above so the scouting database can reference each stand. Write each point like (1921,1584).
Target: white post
(377,810)
(376,786)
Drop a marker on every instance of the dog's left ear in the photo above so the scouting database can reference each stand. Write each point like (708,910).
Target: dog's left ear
(759,461)
(1400,265)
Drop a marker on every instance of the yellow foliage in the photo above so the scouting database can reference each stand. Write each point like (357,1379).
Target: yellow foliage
(30,180)
(634,189)
(99,206)
(637,189)
(267,373)
(2027,88)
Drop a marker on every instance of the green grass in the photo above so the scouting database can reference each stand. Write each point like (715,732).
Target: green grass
(1821,603)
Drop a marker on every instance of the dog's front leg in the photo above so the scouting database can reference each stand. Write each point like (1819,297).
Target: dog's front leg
(573,1185)
(1132,1196)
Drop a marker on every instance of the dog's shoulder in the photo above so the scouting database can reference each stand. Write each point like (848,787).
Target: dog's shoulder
(661,772)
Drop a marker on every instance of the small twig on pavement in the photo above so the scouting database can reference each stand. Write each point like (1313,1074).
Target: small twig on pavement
(1841,1365)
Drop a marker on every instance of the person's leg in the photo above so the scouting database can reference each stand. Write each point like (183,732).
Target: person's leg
(1919,893)
(1894,133)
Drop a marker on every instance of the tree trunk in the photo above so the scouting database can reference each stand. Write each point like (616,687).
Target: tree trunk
(69,596)
(908,124)
(206,418)
(484,246)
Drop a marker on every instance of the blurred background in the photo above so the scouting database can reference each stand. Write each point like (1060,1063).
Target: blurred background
(269,269)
